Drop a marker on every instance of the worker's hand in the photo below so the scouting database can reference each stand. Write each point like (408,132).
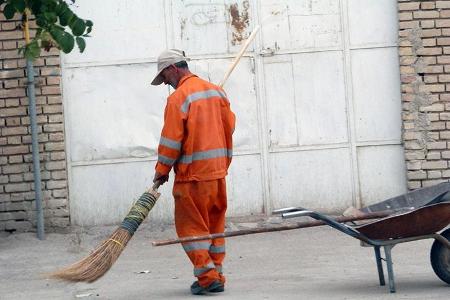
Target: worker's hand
(160,177)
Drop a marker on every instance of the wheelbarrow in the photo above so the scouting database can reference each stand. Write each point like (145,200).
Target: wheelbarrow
(418,217)
(413,216)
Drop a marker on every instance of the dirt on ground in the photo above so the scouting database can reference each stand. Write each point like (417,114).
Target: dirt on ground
(312,263)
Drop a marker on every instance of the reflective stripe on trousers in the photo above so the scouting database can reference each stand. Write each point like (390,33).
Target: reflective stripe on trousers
(212,249)
(201,270)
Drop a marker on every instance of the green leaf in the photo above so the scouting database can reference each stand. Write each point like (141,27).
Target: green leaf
(36,7)
(46,44)
(32,50)
(68,42)
(19,5)
(78,27)
(50,17)
(81,43)
(89,25)
(55,27)
(65,16)
(9,11)
(50,5)
(64,39)
(60,8)
(41,21)
(56,32)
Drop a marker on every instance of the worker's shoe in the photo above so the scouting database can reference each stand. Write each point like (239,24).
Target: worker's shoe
(218,287)
(214,287)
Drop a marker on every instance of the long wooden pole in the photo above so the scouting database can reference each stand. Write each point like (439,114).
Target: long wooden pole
(244,47)
(340,219)
(239,55)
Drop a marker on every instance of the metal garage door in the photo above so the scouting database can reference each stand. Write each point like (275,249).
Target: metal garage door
(317,99)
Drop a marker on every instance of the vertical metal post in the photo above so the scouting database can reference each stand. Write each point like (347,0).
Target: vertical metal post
(379,265)
(35,150)
(387,252)
(34,136)
(350,102)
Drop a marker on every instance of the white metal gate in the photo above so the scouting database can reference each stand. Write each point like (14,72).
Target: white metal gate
(317,99)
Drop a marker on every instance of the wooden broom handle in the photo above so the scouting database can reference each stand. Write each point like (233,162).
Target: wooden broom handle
(245,46)
(305,224)
(239,55)
(156,185)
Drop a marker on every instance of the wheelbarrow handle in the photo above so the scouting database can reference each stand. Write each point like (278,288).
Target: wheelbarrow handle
(287,210)
(329,221)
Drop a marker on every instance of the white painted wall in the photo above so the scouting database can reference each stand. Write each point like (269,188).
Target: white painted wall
(317,99)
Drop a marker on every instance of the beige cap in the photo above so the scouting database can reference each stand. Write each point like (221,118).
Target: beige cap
(167,58)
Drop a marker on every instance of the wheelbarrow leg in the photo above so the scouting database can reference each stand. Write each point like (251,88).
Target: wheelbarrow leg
(387,251)
(379,265)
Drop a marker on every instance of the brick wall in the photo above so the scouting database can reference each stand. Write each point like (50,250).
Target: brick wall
(17,204)
(424,40)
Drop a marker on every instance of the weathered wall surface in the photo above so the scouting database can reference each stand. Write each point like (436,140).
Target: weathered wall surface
(17,205)
(424,40)
(317,99)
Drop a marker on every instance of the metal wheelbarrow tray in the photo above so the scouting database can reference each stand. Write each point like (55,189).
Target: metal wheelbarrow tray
(427,213)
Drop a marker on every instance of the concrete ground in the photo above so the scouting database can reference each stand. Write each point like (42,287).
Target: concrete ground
(312,263)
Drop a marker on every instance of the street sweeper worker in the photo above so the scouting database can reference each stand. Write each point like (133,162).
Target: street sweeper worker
(196,140)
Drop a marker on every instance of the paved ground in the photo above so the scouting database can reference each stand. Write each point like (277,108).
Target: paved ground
(313,263)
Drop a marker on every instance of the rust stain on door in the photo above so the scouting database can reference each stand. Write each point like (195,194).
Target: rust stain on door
(239,22)
(182,26)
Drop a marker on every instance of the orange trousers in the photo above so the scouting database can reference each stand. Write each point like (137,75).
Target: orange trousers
(200,208)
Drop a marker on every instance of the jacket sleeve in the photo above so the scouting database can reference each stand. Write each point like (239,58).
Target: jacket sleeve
(232,121)
(172,135)
(229,123)
(229,117)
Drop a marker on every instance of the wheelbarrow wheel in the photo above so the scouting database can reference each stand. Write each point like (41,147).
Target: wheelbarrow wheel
(440,258)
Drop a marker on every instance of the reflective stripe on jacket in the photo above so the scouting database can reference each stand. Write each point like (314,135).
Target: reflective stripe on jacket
(196,138)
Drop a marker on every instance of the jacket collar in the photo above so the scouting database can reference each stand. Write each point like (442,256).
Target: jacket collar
(184,78)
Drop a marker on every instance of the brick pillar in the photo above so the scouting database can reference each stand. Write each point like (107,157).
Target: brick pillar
(424,49)
(17,205)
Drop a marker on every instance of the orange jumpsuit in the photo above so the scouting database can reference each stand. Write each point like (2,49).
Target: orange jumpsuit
(196,141)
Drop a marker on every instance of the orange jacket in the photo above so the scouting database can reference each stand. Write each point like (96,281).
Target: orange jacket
(197,135)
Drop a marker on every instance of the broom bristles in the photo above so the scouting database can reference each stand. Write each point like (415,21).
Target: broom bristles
(103,257)
(96,264)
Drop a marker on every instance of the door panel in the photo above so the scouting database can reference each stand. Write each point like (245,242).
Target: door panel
(315,179)
(372,22)
(281,102)
(123,30)
(110,121)
(376,81)
(320,97)
(316,96)
(301,24)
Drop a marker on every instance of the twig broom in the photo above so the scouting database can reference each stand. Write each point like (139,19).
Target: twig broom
(96,264)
